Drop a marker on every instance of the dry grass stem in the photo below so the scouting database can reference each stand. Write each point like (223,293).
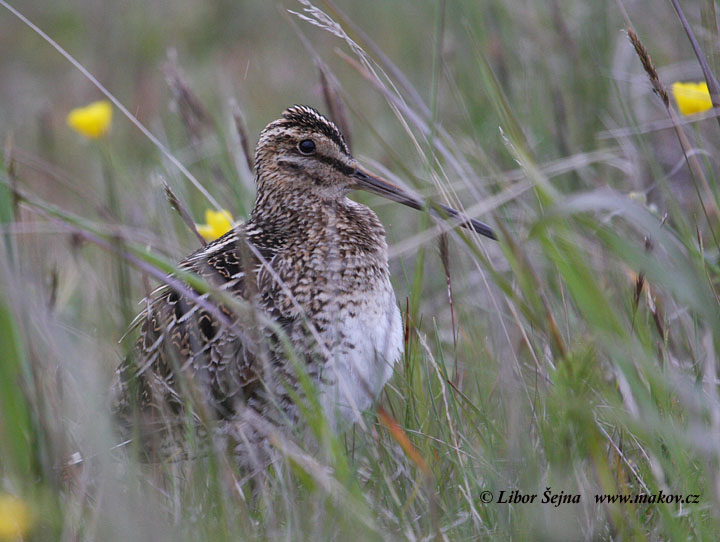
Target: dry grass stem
(180,209)
(195,117)
(709,204)
(241,129)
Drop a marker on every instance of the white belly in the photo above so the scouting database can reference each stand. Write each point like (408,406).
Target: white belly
(363,361)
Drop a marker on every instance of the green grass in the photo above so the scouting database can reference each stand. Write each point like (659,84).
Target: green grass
(551,368)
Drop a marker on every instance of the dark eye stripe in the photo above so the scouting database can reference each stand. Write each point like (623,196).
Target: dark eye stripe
(332,162)
(335,164)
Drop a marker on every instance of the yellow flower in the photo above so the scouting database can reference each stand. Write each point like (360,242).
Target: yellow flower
(218,224)
(14,517)
(692,97)
(93,120)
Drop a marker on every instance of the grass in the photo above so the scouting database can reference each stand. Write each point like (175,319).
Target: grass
(577,355)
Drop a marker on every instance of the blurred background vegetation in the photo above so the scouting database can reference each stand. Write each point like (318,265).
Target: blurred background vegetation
(579,353)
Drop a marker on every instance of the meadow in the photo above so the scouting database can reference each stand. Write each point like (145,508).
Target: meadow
(571,362)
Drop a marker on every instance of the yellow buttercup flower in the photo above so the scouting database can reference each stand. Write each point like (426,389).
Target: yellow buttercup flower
(692,97)
(217,224)
(14,517)
(93,120)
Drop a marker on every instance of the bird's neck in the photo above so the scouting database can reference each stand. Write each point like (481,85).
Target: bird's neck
(286,210)
(286,213)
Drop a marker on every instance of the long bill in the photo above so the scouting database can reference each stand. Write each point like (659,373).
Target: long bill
(364,180)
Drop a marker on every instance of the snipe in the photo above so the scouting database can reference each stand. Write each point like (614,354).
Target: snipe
(313,263)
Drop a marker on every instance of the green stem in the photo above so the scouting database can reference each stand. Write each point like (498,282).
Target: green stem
(114,209)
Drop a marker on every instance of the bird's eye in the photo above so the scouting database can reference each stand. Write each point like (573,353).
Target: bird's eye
(306,146)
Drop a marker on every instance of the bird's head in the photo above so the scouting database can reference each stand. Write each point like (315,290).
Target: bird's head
(304,151)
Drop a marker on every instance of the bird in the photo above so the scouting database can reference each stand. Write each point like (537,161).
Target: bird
(309,271)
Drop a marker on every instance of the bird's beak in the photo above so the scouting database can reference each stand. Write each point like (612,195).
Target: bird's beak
(364,180)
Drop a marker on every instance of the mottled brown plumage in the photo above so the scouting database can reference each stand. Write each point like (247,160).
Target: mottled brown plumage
(311,266)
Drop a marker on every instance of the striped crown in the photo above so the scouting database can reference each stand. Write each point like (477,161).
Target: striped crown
(308,118)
